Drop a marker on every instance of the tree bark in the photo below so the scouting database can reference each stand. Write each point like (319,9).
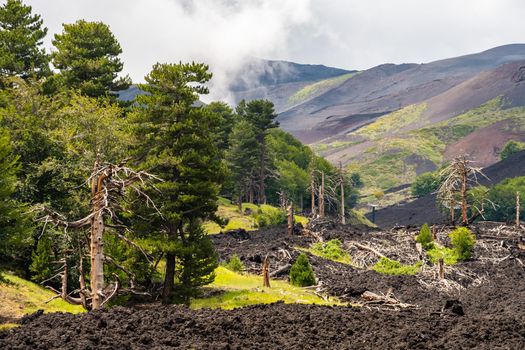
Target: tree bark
(341,182)
(169,278)
(441,269)
(312,186)
(290,219)
(517,209)
(266,272)
(63,291)
(97,245)
(321,197)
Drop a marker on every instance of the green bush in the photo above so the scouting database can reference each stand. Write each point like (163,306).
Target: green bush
(510,148)
(301,273)
(234,264)
(448,255)
(463,241)
(425,184)
(332,250)
(267,215)
(387,266)
(503,196)
(425,237)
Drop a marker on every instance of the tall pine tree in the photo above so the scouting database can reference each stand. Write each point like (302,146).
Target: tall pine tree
(21,35)
(178,142)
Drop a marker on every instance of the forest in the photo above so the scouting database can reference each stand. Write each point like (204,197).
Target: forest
(98,193)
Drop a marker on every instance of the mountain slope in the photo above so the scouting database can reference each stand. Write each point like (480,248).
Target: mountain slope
(386,88)
(424,210)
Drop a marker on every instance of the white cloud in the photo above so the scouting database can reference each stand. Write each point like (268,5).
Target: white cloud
(354,34)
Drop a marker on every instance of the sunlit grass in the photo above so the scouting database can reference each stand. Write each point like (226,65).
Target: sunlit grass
(19,297)
(242,290)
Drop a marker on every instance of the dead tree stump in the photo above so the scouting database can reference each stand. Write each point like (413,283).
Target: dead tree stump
(441,269)
(266,272)
(290,219)
(517,209)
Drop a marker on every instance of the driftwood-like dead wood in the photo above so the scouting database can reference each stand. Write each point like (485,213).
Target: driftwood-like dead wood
(370,249)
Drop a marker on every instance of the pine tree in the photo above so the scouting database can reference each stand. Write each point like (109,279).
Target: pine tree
(242,158)
(87,58)
(178,142)
(261,115)
(21,35)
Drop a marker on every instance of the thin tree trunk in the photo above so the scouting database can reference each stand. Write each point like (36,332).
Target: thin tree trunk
(321,197)
(290,219)
(239,203)
(97,245)
(63,290)
(266,272)
(312,186)
(341,180)
(452,209)
(517,209)
(464,218)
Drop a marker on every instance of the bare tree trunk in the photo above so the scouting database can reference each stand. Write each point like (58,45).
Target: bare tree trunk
(82,279)
(464,218)
(266,272)
(452,209)
(341,181)
(63,290)
(517,209)
(312,186)
(97,244)
(321,197)
(290,219)
(441,269)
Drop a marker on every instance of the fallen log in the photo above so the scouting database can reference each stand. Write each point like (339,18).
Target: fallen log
(364,247)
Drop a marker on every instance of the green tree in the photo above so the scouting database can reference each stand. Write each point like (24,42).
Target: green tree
(261,115)
(241,158)
(301,273)
(87,56)
(227,119)
(502,200)
(14,226)
(425,237)
(510,148)
(463,241)
(178,142)
(424,184)
(21,35)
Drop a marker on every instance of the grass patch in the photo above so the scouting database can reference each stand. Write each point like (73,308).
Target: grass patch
(243,290)
(331,250)
(448,255)
(393,122)
(265,214)
(318,88)
(387,266)
(19,297)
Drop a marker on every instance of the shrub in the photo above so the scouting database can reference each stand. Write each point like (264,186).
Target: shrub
(301,273)
(379,194)
(234,264)
(510,148)
(387,266)
(425,237)
(448,255)
(503,196)
(463,241)
(268,216)
(333,250)
(425,184)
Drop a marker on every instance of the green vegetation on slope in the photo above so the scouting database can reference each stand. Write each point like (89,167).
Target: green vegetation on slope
(19,297)
(387,266)
(318,88)
(331,250)
(242,290)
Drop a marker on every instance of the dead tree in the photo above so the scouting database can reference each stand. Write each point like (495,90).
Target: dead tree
(290,218)
(321,197)
(108,183)
(266,272)
(517,209)
(342,189)
(459,177)
(312,188)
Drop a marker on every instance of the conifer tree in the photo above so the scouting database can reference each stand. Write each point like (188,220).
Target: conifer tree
(178,142)
(87,56)
(21,35)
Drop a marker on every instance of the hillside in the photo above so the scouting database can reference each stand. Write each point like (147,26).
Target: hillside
(424,210)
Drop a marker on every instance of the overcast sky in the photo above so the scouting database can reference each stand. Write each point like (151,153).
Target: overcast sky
(352,34)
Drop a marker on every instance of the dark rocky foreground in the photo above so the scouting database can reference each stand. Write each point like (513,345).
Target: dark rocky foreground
(268,327)
(486,311)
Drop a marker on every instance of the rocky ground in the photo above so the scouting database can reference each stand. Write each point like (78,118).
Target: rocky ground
(480,304)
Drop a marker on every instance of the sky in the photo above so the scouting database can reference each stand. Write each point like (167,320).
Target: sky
(351,34)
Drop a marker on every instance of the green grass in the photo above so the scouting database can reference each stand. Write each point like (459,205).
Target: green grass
(448,255)
(238,220)
(19,297)
(318,88)
(387,266)
(331,250)
(393,122)
(243,290)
